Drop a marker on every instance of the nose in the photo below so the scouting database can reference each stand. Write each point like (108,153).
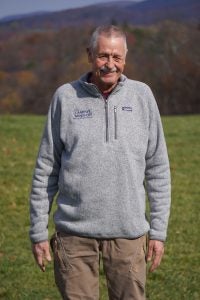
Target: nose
(110,62)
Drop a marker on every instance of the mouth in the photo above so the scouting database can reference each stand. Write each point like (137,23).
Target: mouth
(107,73)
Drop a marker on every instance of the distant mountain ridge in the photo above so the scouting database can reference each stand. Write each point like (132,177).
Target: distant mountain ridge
(147,12)
(22,16)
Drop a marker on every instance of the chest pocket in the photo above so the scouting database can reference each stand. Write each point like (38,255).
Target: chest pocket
(131,128)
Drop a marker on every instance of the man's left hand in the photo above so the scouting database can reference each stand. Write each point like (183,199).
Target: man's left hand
(155,253)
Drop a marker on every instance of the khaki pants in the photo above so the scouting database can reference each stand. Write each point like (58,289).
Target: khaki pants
(76,267)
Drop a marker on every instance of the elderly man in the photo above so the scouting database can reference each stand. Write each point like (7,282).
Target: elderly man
(103,147)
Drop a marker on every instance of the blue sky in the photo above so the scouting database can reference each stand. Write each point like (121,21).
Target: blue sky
(15,7)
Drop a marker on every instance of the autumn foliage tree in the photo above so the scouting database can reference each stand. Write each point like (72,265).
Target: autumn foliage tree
(34,64)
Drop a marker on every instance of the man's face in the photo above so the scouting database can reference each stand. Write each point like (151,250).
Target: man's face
(108,60)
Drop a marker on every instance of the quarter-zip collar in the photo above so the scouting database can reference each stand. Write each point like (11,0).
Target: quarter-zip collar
(93,89)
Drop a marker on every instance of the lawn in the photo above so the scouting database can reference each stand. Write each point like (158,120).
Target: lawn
(179,274)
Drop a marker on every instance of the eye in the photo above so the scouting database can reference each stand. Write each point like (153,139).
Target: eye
(102,56)
(117,58)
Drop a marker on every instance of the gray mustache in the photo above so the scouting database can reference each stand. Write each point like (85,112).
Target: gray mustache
(108,70)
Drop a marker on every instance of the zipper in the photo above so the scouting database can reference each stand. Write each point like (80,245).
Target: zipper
(106,118)
(115,121)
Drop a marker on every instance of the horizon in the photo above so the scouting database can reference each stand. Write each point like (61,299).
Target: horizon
(12,8)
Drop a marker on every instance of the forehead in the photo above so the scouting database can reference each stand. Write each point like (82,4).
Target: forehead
(111,44)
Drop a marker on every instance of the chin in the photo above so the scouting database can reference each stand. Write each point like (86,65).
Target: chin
(109,82)
(111,79)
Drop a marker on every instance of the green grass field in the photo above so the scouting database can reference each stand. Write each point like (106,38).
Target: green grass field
(179,274)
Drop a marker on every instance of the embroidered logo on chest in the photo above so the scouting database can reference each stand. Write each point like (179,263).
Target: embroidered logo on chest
(82,114)
(127,108)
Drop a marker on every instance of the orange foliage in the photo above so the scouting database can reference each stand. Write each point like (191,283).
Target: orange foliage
(25,78)
(165,56)
(11,102)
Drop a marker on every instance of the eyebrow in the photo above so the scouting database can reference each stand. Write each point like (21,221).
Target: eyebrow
(107,54)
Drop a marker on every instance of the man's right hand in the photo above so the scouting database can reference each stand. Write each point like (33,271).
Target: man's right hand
(41,253)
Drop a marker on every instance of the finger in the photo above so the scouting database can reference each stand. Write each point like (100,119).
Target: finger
(156,261)
(42,267)
(47,254)
(155,264)
(40,260)
(150,252)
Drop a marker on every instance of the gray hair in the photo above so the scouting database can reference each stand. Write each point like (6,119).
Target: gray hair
(107,31)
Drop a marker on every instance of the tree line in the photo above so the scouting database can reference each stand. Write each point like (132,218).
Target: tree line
(165,56)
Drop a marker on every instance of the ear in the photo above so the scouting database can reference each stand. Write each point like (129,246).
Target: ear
(126,51)
(89,54)
(125,56)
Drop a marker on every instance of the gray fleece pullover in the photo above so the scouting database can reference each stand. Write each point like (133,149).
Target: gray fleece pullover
(100,157)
